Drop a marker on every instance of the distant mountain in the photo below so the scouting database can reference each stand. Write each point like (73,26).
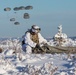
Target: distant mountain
(73,37)
(1,39)
(49,38)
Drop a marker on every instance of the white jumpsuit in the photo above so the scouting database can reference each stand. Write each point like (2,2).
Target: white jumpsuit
(27,47)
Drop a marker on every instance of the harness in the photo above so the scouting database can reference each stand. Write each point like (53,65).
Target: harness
(33,37)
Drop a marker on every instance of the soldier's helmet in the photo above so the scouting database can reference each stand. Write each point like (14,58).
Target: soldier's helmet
(35,29)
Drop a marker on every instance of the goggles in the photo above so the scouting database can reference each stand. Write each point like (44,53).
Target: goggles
(37,29)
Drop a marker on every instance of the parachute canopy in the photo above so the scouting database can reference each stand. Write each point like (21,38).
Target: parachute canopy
(12,19)
(7,9)
(21,8)
(28,7)
(26,16)
(16,23)
(16,9)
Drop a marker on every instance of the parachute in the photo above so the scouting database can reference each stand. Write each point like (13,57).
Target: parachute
(12,19)
(26,16)
(7,9)
(16,23)
(28,7)
(16,9)
(21,8)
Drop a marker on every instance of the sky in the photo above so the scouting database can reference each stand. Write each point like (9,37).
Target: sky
(47,14)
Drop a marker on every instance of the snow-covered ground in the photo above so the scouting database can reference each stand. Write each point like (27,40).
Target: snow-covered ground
(13,61)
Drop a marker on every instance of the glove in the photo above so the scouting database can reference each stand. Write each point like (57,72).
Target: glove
(37,46)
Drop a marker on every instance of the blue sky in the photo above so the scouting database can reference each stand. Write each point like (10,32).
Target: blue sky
(47,14)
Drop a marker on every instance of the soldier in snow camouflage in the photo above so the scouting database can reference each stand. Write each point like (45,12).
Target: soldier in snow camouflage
(33,39)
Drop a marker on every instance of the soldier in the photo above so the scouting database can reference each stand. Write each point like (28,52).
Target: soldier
(32,39)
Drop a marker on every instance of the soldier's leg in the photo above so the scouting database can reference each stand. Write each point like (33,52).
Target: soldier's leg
(28,49)
(24,48)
